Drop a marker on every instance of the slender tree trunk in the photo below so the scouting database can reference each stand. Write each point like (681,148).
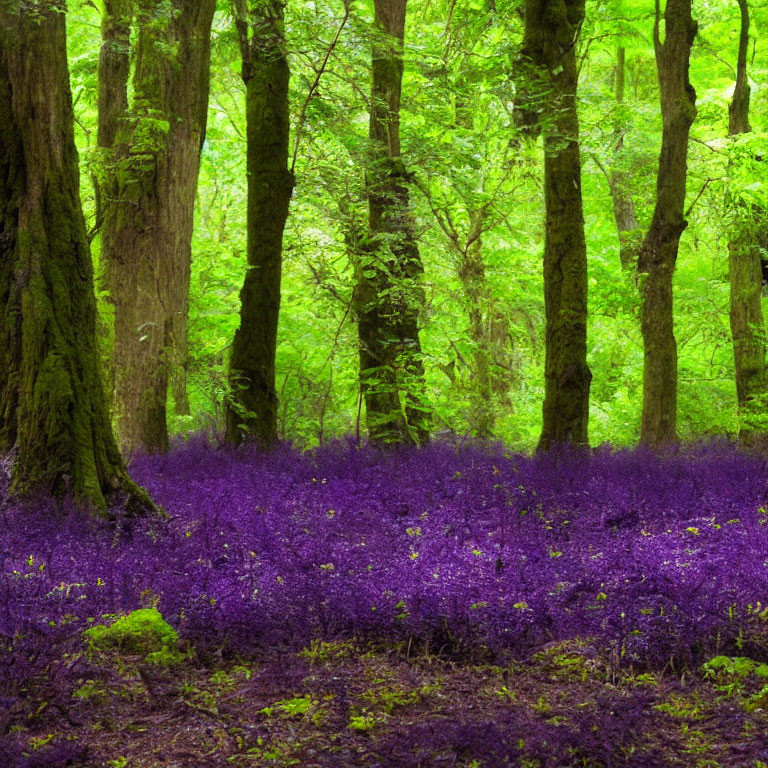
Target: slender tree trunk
(252,408)
(551,31)
(478,303)
(738,109)
(477,295)
(389,294)
(52,407)
(658,254)
(147,233)
(114,73)
(746,315)
(621,194)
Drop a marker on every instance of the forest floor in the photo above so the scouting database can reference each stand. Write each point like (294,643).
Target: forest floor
(339,705)
(468,608)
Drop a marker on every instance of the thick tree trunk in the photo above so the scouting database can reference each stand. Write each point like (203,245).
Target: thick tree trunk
(252,408)
(658,254)
(389,294)
(52,407)
(551,30)
(621,194)
(147,233)
(746,315)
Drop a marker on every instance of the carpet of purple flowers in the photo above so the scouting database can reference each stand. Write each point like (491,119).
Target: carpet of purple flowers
(464,555)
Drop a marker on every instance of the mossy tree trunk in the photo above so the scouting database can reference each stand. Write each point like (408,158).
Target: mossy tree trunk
(52,408)
(658,254)
(148,221)
(551,32)
(389,294)
(746,311)
(252,407)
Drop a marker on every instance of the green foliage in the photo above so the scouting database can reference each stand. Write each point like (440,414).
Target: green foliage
(731,673)
(322,652)
(462,146)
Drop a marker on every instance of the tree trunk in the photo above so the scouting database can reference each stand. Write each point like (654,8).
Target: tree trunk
(658,254)
(478,302)
(389,294)
(746,312)
(738,109)
(52,408)
(252,407)
(551,31)
(147,234)
(621,195)
(477,295)
(114,73)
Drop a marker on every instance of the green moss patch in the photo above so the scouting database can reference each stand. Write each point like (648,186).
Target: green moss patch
(143,632)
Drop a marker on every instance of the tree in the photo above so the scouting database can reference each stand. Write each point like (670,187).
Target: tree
(388,295)
(53,413)
(551,32)
(621,194)
(252,409)
(658,253)
(114,74)
(746,311)
(149,206)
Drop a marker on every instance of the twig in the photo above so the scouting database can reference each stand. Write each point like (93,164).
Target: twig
(708,146)
(316,83)
(696,200)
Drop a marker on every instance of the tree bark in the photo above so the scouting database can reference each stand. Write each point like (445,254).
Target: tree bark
(551,31)
(252,406)
(389,294)
(180,367)
(658,254)
(53,413)
(147,233)
(746,311)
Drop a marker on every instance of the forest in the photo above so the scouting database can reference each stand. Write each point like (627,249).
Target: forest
(383,383)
